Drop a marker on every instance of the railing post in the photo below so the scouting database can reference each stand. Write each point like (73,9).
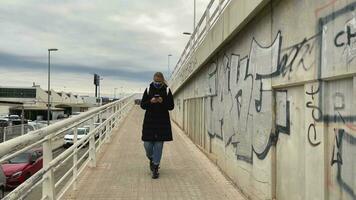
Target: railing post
(115,116)
(75,159)
(121,111)
(119,116)
(108,132)
(194,40)
(102,139)
(22,129)
(191,46)
(121,107)
(92,151)
(9,129)
(100,116)
(4,138)
(207,19)
(48,189)
(220,6)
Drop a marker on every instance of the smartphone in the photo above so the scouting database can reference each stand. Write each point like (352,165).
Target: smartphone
(156,95)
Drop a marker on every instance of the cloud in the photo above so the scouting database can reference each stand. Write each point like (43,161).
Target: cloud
(124,40)
(22,63)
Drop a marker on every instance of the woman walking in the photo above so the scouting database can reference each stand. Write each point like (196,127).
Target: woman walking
(157,100)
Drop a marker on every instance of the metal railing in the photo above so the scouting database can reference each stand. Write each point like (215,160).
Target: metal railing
(101,120)
(11,132)
(206,22)
(2,129)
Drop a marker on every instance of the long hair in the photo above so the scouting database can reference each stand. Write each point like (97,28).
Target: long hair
(160,74)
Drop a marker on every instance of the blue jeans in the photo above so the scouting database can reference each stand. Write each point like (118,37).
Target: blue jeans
(154,150)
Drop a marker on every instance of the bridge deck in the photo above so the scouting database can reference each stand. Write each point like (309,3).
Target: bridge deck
(122,170)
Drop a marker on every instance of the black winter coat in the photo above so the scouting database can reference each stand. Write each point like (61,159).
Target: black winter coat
(157,124)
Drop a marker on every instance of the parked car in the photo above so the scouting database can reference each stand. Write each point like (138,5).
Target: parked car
(102,131)
(14,117)
(4,122)
(13,120)
(88,129)
(75,113)
(21,167)
(69,137)
(36,125)
(2,183)
(62,116)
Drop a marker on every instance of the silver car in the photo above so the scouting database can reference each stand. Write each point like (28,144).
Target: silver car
(2,183)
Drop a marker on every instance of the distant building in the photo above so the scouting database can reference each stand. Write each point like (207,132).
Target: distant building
(33,102)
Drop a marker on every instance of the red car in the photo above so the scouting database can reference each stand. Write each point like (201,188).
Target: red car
(21,167)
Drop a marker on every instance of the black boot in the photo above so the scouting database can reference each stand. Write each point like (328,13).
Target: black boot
(155,173)
(151,165)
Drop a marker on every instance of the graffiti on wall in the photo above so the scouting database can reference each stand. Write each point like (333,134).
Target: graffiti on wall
(241,112)
(338,44)
(316,114)
(339,116)
(244,89)
(343,160)
(338,52)
(246,113)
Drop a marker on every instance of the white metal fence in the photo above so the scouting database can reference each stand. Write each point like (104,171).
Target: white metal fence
(11,132)
(2,134)
(109,116)
(206,22)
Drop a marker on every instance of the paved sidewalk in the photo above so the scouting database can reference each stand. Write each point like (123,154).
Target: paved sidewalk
(123,172)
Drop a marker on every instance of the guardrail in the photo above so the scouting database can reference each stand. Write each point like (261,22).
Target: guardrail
(206,22)
(114,113)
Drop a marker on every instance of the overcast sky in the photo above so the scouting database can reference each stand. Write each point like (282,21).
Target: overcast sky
(125,41)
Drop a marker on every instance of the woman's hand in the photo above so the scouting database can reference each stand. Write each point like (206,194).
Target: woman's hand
(160,99)
(153,100)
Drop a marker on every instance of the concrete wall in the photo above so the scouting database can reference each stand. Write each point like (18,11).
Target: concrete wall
(278,99)
(89,100)
(4,110)
(55,114)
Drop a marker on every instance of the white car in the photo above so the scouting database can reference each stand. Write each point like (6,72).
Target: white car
(75,113)
(2,183)
(14,117)
(69,137)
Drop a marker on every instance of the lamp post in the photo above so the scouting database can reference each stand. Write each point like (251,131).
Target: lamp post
(100,100)
(194,20)
(169,56)
(49,85)
(195,13)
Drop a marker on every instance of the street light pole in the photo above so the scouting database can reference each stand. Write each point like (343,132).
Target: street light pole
(195,13)
(49,85)
(194,20)
(100,100)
